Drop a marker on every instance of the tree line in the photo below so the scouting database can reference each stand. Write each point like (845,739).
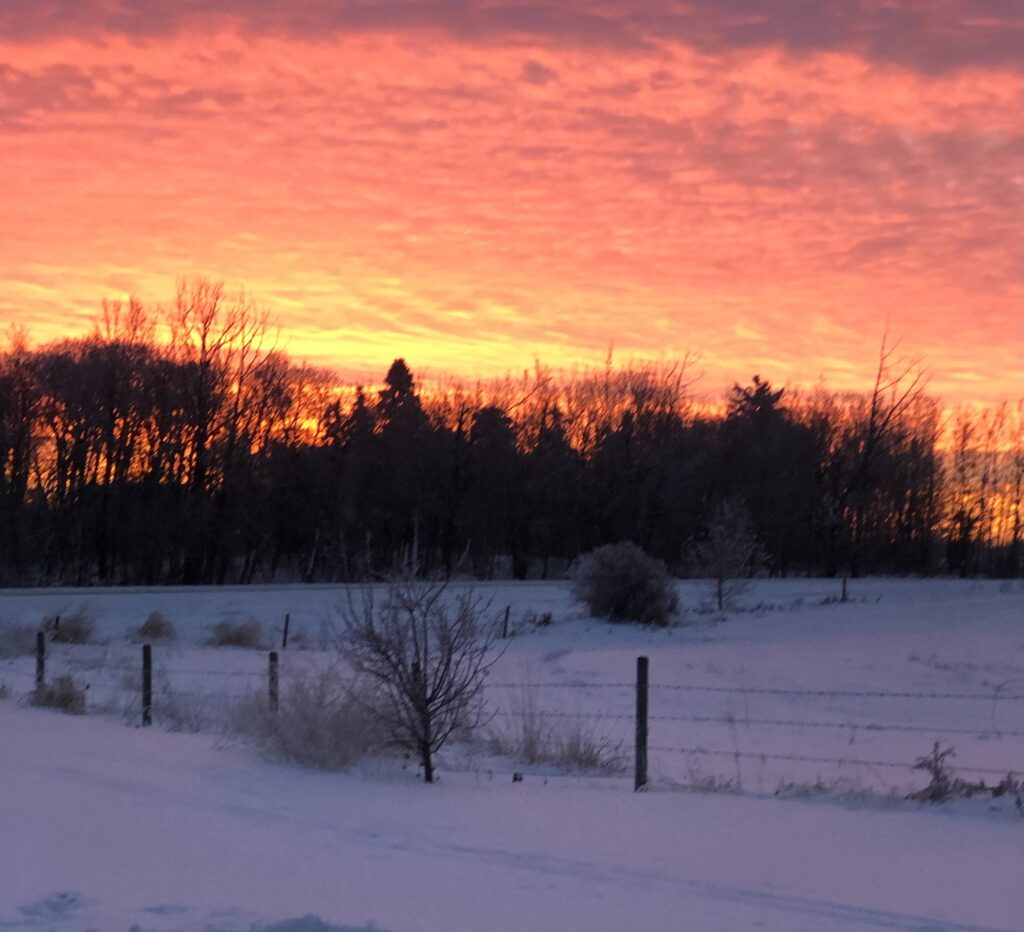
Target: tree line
(185,446)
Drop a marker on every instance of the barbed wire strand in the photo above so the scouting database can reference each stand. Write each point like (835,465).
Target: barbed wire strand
(774,691)
(838,726)
(825,760)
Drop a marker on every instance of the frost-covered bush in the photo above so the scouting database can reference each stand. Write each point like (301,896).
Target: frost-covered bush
(730,553)
(63,693)
(242,634)
(622,583)
(156,627)
(322,721)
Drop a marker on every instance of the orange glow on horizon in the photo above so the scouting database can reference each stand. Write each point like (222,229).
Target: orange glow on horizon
(474,203)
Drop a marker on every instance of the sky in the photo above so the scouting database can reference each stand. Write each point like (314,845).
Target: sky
(477,185)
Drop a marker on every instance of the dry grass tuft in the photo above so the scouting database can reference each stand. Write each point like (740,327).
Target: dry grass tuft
(240,634)
(322,721)
(63,693)
(570,742)
(157,627)
(76,628)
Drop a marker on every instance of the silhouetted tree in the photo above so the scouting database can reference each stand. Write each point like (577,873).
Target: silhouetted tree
(212,457)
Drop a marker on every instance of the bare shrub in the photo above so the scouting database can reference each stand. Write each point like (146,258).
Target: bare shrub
(240,634)
(16,640)
(942,781)
(322,721)
(944,785)
(76,628)
(425,662)
(156,627)
(622,583)
(63,693)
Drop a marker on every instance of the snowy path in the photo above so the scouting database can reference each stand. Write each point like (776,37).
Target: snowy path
(103,827)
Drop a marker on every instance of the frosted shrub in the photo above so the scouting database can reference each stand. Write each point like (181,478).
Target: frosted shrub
(622,583)
(63,693)
(322,721)
(730,554)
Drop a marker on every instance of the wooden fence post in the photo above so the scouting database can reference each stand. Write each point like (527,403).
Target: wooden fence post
(40,660)
(504,625)
(147,685)
(284,637)
(640,778)
(273,681)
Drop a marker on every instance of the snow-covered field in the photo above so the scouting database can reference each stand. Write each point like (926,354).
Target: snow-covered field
(808,715)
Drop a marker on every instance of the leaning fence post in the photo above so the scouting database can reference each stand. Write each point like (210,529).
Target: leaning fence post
(504,624)
(147,684)
(272,676)
(40,659)
(640,779)
(284,637)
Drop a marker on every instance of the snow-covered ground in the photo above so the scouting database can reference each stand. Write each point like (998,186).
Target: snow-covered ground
(810,712)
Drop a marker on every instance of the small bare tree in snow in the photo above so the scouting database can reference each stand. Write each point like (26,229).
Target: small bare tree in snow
(730,554)
(425,658)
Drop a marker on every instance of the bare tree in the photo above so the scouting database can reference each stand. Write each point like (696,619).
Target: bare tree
(220,343)
(425,659)
(854,447)
(730,554)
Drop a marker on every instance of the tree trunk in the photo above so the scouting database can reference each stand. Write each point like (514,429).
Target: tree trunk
(428,763)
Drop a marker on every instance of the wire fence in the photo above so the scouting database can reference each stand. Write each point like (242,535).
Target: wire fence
(609,709)
(774,691)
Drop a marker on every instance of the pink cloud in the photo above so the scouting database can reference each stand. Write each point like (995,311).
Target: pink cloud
(559,195)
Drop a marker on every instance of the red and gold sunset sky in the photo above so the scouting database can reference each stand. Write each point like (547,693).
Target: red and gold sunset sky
(476,185)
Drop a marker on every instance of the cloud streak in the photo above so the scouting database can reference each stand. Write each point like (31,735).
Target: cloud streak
(929,35)
(534,179)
